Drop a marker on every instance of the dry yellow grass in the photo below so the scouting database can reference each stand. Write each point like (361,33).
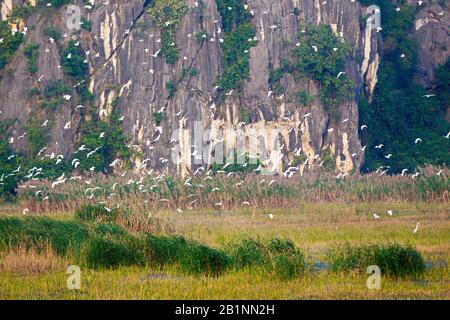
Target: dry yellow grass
(23,261)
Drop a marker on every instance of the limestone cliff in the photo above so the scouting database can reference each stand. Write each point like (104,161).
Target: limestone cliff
(125,75)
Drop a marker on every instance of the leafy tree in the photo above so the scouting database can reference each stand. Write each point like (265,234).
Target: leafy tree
(239,36)
(73,61)
(37,136)
(167,15)
(107,138)
(9,162)
(321,56)
(10,43)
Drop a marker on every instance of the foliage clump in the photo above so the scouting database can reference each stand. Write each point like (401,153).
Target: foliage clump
(319,55)
(392,259)
(31,51)
(73,61)
(239,37)
(167,15)
(10,44)
(104,141)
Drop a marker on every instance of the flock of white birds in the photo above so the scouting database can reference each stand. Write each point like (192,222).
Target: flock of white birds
(34,173)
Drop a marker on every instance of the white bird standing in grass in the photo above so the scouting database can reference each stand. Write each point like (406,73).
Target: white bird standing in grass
(417,227)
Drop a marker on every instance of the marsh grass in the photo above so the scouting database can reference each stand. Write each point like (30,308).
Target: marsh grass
(190,257)
(199,259)
(393,259)
(275,255)
(23,261)
(164,250)
(37,233)
(108,252)
(97,212)
(314,227)
(283,193)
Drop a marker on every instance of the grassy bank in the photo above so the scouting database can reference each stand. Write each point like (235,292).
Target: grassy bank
(239,246)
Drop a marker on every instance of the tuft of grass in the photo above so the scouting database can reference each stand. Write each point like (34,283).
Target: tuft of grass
(393,259)
(287,260)
(90,212)
(108,252)
(39,232)
(199,259)
(190,257)
(248,252)
(276,255)
(289,266)
(164,250)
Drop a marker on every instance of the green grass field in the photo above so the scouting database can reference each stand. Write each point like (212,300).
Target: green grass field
(314,229)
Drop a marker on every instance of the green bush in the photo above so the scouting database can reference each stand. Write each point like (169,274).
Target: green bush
(90,212)
(288,266)
(199,259)
(321,56)
(238,30)
(38,232)
(108,252)
(279,256)
(165,250)
(56,88)
(247,253)
(392,259)
(189,256)
(31,51)
(37,136)
(72,61)
(167,15)
(10,43)
(51,32)
(113,145)
(8,180)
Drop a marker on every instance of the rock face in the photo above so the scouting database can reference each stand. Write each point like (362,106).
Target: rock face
(126,75)
(432,30)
